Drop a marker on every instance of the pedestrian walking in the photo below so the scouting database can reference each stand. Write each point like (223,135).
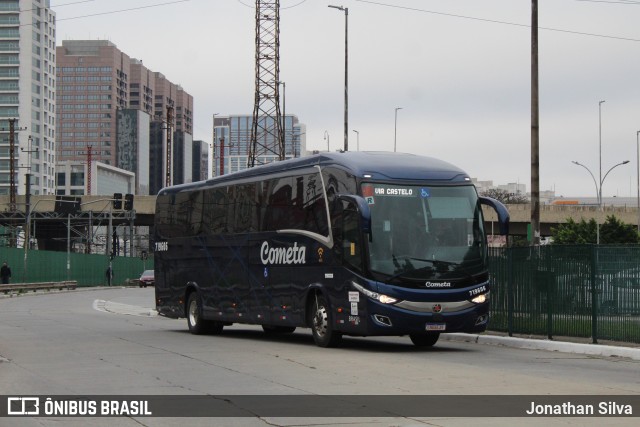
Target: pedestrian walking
(5,273)
(109,275)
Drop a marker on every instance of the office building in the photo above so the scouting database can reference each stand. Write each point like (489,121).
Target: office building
(105,101)
(200,161)
(27,95)
(132,146)
(232,135)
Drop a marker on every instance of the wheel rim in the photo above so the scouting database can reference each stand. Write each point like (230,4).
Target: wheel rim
(320,321)
(193,312)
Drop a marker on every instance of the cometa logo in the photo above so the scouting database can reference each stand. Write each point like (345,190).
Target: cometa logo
(437,284)
(290,255)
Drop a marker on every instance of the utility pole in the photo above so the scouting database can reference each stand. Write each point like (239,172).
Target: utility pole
(13,188)
(27,209)
(221,168)
(169,147)
(89,168)
(535,129)
(12,165)
(346,74)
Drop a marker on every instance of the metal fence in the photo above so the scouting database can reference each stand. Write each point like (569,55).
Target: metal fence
(86,269)
(575,291)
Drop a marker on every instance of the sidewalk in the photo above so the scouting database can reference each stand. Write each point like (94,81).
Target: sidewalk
(532,343)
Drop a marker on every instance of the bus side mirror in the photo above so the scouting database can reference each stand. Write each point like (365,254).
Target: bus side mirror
(501,210)
(363,209)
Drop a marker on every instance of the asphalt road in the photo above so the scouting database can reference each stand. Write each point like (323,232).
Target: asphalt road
(110,342)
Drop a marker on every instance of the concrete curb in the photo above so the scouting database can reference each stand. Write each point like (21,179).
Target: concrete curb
(58,291)
(548,345)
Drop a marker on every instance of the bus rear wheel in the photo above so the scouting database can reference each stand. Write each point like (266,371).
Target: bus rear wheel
(198,325)
(321,327)
(424,340)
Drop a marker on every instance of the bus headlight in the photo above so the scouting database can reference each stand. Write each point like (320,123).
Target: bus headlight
(384,299)
(480,298)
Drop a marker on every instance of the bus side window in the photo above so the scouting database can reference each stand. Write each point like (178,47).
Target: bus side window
(278,210)
(215,210)
(351,236)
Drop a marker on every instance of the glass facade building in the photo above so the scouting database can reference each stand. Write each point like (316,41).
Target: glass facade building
(232,136)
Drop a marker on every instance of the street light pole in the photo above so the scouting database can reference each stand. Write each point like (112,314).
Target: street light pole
(638,174)
(346,74)
(357,140)
(395,129)
(599,191)
(600,146)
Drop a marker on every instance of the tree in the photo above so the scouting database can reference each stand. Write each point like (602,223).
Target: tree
(613,231)
(505,197)
(572,232)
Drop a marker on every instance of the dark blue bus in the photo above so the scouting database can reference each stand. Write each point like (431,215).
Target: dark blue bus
(355,243)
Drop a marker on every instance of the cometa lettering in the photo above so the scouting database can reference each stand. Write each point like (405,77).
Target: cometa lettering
(292,255)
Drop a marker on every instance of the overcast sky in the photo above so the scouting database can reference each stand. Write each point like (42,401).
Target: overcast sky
(460,70)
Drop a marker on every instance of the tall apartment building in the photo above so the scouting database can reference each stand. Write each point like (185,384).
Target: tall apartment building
(93,82)
(169,95)
(96,80)
(27,95)
(233,133)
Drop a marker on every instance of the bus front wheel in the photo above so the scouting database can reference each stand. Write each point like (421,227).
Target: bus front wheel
(320,320)
(424,340)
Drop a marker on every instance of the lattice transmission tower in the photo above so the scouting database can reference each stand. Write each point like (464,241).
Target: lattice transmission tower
(266,129)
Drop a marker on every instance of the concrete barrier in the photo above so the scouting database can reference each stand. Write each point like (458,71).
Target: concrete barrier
(23,287)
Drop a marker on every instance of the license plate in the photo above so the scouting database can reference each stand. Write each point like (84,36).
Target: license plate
(436,327)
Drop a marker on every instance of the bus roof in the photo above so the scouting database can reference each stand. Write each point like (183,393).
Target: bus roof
(379,165)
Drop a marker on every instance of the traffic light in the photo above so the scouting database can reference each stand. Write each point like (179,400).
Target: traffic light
(128,202)
(117,201)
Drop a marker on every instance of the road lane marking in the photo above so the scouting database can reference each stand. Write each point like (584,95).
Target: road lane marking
(120,308)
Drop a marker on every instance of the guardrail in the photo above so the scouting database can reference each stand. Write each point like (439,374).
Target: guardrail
(23,287)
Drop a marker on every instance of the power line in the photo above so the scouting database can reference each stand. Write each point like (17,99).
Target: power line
(69,4)
(57,6)
(495,21)
(612,1)
(281,8)
(116,11)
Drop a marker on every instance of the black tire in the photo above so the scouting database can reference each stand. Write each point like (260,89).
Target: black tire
(194,314)
(269,329)
(424,340)
(198,325)
(321,323)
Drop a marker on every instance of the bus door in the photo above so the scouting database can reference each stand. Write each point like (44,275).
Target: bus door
(350,225)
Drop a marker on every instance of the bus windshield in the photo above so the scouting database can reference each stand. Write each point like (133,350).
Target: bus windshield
(424,232)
